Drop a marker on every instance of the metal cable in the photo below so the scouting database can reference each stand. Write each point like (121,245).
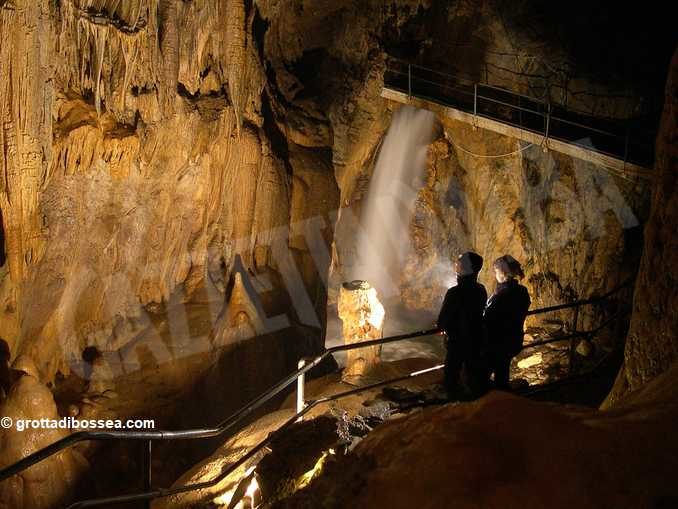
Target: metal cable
(484,156)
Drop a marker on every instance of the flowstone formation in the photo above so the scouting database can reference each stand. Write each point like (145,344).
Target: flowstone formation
(362,316)
(142,158)
(652,342)
(50,483)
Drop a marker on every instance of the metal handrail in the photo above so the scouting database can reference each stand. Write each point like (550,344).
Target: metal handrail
(583,302)
(510,105)
(200,433)
(513,106)
(224,426)
(252,452)
(645,145)
(158,493)
(619,138)
(473,81)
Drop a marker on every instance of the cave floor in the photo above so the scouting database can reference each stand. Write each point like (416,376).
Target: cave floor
(155,374)
(588,390)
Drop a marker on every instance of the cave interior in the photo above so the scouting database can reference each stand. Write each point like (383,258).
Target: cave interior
(201,201)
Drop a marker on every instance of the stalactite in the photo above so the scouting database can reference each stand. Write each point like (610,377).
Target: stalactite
(129,47)
(102,43)
(236,38)
(169,52)
(100,36)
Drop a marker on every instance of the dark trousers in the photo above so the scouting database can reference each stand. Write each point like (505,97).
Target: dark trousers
(500,365)
(452,377)
(465,378)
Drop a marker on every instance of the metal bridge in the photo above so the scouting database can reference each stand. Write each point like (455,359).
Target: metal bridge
(620,145)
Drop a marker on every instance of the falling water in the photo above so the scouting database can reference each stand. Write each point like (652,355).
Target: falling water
(384,240)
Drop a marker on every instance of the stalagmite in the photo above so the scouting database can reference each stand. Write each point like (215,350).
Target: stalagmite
(362,316)
(102,378)
(49,483)
(239,320)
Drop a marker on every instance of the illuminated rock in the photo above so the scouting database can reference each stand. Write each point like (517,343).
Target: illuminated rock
(585,348)
(507,452)
(362,316)
(50,482)
(532,360)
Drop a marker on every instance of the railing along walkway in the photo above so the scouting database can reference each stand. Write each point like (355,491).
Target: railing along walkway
(303,407)
(629,141)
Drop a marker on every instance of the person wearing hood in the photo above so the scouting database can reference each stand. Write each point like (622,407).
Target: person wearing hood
(461,317)
(505,318)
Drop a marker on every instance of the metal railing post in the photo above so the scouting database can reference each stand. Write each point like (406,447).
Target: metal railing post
(573,340)
(548,124)
(475,106)
(148,469)
(626,143)
(301,380)
(409,81)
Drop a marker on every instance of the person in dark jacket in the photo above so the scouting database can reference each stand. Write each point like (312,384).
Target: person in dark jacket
(505,318)
(461,317)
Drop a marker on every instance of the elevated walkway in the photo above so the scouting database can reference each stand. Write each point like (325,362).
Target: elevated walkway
(620,146)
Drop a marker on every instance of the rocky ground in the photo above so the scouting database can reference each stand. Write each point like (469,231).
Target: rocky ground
(507,452)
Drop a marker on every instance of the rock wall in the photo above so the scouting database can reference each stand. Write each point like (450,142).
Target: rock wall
(140,160)
(652,342)
(569,222)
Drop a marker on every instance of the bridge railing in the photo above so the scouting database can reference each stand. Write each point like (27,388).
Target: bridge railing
(624,140)
(303,407)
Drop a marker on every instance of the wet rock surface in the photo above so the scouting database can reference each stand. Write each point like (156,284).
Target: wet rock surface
(352,418)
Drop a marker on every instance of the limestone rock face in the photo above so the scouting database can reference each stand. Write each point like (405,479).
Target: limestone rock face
(567,221)
(139,164)
(652,341)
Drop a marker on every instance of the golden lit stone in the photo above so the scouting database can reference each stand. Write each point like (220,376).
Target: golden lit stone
(362,316)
